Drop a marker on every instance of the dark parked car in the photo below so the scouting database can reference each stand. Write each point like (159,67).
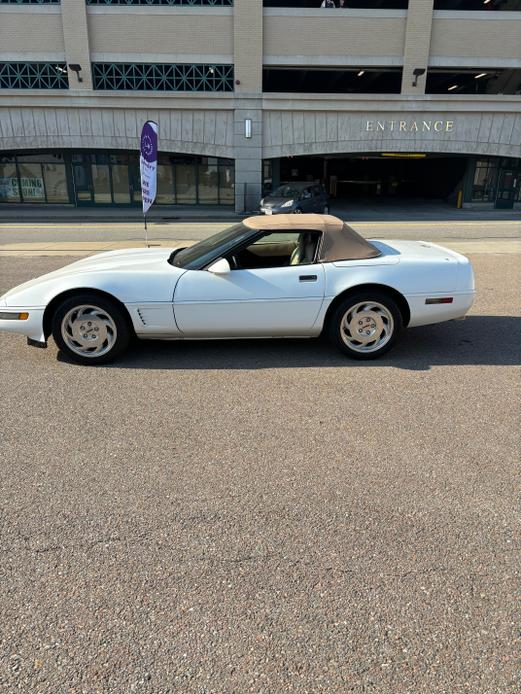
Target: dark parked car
(297,197)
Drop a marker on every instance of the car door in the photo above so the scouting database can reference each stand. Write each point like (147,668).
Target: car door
(318,205)
(307,200)
(255,302)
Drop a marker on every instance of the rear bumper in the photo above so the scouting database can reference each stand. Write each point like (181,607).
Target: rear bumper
(426,314)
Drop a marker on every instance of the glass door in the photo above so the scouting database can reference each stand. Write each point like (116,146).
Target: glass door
(507,189)
(121,184)
(82,178)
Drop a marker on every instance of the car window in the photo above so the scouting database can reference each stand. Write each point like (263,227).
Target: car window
(202,253)
(287,191)
(278,249)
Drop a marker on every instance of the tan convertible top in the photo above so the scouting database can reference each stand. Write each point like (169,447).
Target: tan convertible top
(339,241)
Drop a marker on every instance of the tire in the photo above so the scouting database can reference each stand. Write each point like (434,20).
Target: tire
(326,209)
(373,310)
(106,328)
(297,211)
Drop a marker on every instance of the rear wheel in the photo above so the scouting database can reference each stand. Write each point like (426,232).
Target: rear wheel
(365,325)
(90,329)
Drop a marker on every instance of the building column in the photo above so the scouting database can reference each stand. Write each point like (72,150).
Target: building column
(417,45)
(248,155)
(76,38)
(248,58)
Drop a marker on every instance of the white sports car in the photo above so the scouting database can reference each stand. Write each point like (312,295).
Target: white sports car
(283,276)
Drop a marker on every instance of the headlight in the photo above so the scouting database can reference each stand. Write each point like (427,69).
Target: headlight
(288,203)
(262,202)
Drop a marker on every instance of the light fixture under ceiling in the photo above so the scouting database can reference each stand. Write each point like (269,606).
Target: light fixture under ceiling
(481,74)
(362,72)
(451,89)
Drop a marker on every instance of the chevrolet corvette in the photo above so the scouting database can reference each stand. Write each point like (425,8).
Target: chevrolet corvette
(282,276)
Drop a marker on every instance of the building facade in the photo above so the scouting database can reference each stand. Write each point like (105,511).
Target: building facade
(396,99)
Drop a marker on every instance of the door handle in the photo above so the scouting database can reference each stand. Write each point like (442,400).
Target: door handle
(308,278)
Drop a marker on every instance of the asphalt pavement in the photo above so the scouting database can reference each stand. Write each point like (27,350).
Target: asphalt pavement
(61,238)
(242,516)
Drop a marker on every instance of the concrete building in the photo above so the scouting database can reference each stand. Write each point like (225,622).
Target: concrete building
(396,99)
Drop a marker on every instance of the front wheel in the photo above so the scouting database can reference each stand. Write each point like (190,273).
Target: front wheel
(365,325)
(90,329)
(297,211)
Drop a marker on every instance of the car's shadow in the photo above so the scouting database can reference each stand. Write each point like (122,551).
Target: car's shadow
(479,340)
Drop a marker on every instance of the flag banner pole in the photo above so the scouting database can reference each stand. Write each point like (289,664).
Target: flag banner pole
(146,231)
(148,169)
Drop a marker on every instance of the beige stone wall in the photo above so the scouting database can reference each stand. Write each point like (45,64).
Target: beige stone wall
(333,37)
(417,45)
(205,132)
(486,42)
(297,132)
(247,38)
(75,32)
(19,27)
(176,36)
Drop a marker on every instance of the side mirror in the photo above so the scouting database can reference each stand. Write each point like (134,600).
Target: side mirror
(220,267)
(306,195)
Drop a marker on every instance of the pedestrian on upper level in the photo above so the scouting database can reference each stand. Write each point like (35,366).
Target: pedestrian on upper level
(328,3)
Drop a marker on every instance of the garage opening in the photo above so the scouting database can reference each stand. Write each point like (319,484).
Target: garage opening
(385,176)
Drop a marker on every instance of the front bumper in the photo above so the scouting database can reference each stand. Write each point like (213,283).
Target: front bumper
(32,328)
(276,210)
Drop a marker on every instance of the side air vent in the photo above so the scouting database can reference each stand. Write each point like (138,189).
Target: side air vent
(140,314)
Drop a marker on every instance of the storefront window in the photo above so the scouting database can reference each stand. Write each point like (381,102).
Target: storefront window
(208,181)
(165,184)
(55,178)
(226,182)
(113,178)
(485,181)
(9,188)
(120,183)
(101,183)
(185,184)
(31,182)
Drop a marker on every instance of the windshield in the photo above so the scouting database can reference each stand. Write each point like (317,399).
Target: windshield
(202,253)
(288,191)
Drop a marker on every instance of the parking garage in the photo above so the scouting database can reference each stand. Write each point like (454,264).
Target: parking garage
(456,180)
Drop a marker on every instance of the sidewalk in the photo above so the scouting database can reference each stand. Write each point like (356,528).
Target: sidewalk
(158,213)
(360,210)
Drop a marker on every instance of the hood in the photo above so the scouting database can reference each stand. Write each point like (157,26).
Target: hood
(113,262)
(277,202)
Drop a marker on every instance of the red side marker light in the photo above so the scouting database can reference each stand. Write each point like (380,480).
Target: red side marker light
(440,300)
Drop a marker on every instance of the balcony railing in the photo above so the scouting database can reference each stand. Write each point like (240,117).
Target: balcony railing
(29,2)
(162,77)
(33,76)
(185,3)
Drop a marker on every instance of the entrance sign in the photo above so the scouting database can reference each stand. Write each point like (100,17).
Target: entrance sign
(404,126)
(148,164)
